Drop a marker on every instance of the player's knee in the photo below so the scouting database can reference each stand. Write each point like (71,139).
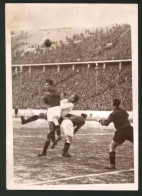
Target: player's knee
(69,139)
(43,116)
(111,148)
(55,119)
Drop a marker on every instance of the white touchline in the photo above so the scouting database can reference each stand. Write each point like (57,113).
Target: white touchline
(94,134)
(29,136)
(74,177)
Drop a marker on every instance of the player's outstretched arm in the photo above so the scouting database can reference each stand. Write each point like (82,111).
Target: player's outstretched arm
(105,122)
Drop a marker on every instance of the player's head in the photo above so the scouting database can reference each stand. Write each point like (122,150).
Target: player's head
(116,102)
(84,116)
(63,95)
(73,98)
(48,84)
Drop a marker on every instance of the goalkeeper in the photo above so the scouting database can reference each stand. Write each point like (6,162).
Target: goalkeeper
(124,131)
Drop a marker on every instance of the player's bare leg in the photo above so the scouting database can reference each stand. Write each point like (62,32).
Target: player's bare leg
(112,154)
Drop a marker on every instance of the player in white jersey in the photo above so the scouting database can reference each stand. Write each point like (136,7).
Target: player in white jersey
(70,126)
(66,105)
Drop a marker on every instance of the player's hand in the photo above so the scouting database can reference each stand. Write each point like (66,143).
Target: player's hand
(101,120)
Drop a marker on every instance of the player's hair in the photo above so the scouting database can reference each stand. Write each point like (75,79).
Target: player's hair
(49,81)
(76,98)
(116,102)
(84,115)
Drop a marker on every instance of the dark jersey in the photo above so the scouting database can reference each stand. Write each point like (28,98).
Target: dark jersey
(119,117)
(78,122)
(52,98)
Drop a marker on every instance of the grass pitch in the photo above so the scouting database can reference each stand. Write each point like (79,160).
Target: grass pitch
(89,152)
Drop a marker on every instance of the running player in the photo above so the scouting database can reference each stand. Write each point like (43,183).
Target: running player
(124,130)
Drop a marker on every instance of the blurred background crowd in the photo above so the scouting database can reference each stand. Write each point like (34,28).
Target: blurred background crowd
(96,86)
(111,43)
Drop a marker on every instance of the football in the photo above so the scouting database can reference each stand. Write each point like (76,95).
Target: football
(47,43)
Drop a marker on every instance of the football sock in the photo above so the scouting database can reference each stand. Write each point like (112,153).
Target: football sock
(45,147)
(112,158)
(66,147)
(57,128)
(53,136)
(32,118)
(60,120)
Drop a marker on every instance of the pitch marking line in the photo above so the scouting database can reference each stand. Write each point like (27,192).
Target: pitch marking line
(75,177)
(94,134)
(29,136)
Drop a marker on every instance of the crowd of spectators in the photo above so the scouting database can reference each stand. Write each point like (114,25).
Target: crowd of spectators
(103,44)
(96,86)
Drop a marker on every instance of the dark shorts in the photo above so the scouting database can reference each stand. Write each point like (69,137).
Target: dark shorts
(123,134)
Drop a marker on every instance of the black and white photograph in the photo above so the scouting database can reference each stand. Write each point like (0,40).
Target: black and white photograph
(71,96)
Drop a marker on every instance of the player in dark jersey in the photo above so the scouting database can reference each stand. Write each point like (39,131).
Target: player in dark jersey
(65,107)
(52,99)
(48,86)
(70,126)
(124,132)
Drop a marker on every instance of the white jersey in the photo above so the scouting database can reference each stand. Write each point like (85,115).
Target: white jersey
(65,107)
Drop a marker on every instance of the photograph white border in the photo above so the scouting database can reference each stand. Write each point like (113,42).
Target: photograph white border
(9,124)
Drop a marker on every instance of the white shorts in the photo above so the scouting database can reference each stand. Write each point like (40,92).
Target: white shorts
(67,127)
(52,112)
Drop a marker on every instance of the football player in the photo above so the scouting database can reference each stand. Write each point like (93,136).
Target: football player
(70,126)
(124,131)
(52,99)
(65,107)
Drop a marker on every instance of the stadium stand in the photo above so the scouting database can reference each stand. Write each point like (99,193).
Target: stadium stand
(95,86)
(101,44)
